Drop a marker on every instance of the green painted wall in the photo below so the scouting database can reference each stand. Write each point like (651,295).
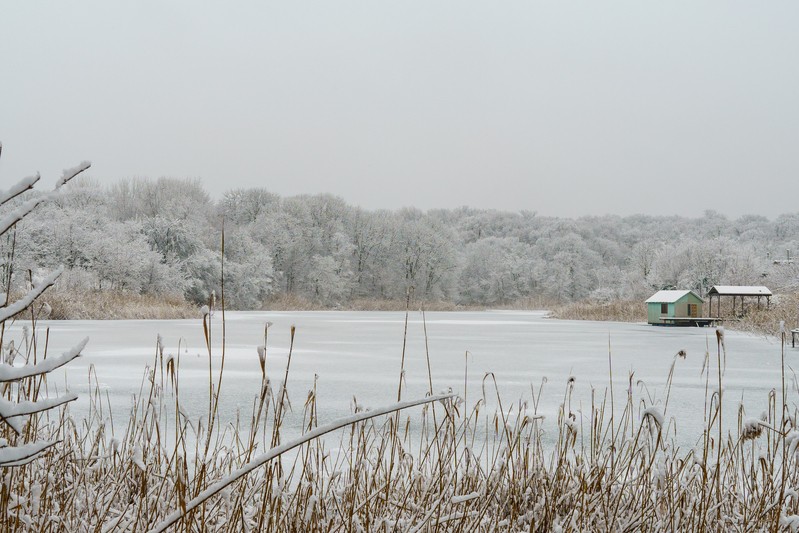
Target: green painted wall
(653,313)
(675,309)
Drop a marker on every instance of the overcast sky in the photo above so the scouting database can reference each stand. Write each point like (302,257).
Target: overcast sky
(561,107)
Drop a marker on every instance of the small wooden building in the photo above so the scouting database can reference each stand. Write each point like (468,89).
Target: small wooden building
(674,307)
(736,293)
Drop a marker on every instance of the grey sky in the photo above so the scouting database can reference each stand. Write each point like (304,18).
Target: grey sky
(561,107)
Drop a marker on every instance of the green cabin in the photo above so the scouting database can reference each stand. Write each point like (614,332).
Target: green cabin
(674,308)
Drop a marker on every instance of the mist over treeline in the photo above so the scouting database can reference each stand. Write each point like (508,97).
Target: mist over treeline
(163,237)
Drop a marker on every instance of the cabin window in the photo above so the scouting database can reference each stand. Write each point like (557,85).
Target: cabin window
(693,310)
(664,309)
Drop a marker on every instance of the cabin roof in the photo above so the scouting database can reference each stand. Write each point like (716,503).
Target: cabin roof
(740,290)
(668,297)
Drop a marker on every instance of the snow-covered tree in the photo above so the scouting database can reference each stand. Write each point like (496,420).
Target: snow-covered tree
(496,271)
(163,236)
(248,271)
(245,206)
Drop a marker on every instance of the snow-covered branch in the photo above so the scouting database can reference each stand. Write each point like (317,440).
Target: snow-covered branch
(70,173)
(25,184)
(19,213)
(283,448)
(9,410)
(20,455)
(13,373)
(12,411)
(23,303)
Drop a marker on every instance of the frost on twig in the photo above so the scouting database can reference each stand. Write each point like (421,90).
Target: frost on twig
(12,412)
(9,410)
(19,213)
(23,303)
(13,373)
(70,173)
(21,455)
(25,184)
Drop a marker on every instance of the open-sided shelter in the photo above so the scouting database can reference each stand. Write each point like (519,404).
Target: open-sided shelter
(736,293)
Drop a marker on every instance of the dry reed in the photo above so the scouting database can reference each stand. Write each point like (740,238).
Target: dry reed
(450,466)
(766,320)
(614,311)
(109,305)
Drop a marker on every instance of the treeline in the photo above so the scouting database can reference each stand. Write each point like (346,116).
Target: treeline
(164,238)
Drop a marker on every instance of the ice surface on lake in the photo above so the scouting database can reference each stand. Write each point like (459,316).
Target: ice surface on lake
(357,354)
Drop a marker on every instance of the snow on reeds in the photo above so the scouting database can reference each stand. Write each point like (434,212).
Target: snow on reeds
(436,463)
(442,465)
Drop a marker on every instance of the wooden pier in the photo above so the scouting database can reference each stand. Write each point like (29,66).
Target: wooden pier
(699,321)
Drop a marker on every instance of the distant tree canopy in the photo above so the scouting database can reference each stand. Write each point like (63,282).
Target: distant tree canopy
(163,237)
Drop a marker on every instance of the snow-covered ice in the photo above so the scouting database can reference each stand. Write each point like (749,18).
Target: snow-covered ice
(357,354)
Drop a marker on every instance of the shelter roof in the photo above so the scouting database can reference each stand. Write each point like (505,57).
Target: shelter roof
(667,297)
(739,290)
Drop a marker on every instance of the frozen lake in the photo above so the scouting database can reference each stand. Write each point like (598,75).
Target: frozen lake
(358,354)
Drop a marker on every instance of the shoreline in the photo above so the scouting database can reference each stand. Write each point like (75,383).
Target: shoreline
(120,306)
(103,306)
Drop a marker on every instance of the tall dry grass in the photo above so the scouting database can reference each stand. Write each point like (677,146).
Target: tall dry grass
(295,302)
(439,463)
(108,305)
(784,308)
(615,311)
(450,465)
